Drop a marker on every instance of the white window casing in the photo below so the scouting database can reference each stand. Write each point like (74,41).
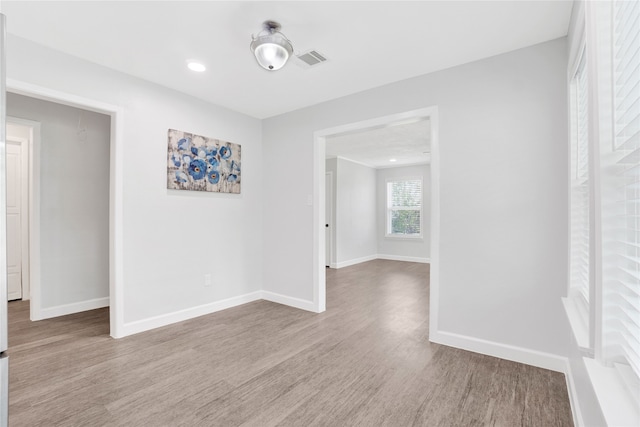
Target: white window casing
(404,217)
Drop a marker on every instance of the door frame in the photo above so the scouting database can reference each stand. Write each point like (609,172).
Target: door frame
(27,202)
(319,151)
(330,221)
(116,287)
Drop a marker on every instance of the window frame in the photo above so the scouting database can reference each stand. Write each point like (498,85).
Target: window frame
(580,293)
(598,330)
(389,209)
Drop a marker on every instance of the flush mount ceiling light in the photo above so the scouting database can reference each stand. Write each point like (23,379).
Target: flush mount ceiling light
(270,47)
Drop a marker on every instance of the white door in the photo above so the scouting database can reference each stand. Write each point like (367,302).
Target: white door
(15,219)
(328,217)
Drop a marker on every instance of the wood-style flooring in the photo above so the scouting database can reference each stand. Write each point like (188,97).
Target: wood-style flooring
(366,361)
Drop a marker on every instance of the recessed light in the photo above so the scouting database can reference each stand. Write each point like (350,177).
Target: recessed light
(392,160)
(196,66)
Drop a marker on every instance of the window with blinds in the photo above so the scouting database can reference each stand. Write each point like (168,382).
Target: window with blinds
(621,194)
(579,256)
(404,208)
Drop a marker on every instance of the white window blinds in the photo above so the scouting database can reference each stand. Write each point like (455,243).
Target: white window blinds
(579,270)
(404,208)
(621,194)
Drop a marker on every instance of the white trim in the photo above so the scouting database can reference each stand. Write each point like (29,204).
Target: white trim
(302,304)
(116,256)
(319,158)
(330,221)
(387,221)
(76,307)
(26,147)
(391,166)
(186,314)
(34,213)
(503,351)
(403,165)
(574,401)
(355,261)
(421,260)
(367,165)
(578,322)
(434,270)
(618,402)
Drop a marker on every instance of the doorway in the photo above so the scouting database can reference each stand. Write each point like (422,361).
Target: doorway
(113,207)
(19,140)
(319,254)
(72,210)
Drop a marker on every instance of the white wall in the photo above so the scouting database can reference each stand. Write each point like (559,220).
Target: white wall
(409,248)
(74,200)
(503,129)
(355,213)
(171,238)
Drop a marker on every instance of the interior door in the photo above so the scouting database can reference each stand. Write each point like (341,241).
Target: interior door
(328,208)
(14,220)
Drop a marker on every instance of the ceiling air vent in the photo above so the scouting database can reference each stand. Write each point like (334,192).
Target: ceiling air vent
(312,58)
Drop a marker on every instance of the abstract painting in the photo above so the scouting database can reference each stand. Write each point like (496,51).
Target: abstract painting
(199,163)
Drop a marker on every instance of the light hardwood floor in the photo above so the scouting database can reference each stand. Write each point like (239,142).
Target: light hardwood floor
(366,361)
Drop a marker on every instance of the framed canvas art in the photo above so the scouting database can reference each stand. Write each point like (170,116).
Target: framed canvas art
(200,163)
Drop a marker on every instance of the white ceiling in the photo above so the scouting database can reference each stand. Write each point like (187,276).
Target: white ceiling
(407,143)
(367,43)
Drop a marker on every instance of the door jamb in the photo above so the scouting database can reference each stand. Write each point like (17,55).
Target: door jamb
(331,222)
(27,146)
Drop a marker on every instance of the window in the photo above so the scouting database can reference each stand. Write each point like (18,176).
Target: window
(579,268)
(605,235)
(620,168)
(404,208)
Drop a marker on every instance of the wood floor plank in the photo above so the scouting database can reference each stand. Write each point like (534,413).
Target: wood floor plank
(366,361)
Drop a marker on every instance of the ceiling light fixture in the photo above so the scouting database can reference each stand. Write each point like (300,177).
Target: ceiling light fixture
(392,160)
(196,66)
(270,47)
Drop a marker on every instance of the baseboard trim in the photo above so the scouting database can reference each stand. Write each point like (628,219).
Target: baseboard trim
(186,314)
(574,401)
(502,351)
(405,258)
(290,301)
(355,261)
(76,307)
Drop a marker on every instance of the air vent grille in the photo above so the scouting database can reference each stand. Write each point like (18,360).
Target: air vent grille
(312,57)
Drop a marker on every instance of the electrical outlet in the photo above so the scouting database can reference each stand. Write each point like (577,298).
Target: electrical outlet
(207,281)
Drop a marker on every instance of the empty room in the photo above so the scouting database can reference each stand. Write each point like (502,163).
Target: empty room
(292,213)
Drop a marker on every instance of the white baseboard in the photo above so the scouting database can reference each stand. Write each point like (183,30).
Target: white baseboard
(189,313)
(405,258)
(355,261)
(574,401)
(502,351)
(76,307)
(290,301)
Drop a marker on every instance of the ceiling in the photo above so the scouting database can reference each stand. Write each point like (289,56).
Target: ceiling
(367,43)
(407,143)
